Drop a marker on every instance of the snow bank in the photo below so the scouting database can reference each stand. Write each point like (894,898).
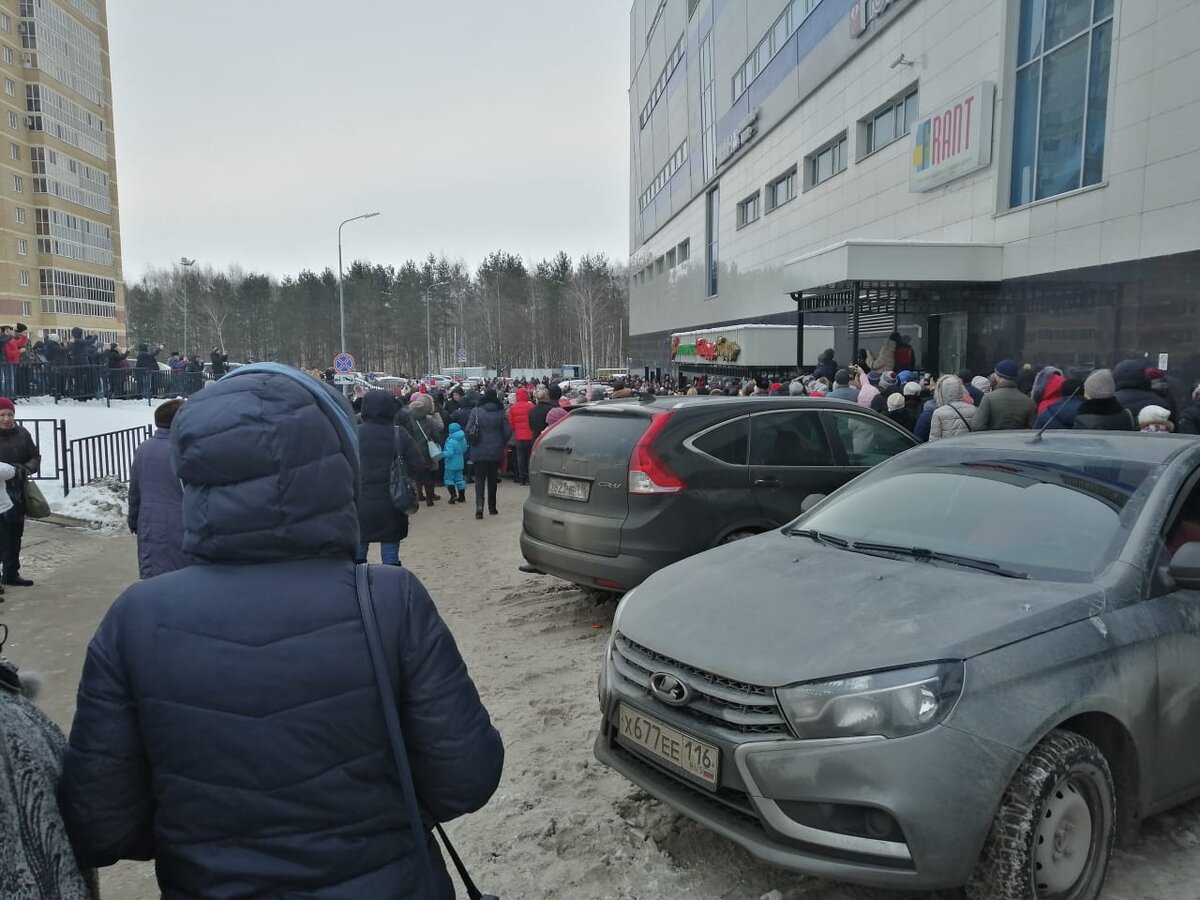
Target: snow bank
(103,504)
(92,417)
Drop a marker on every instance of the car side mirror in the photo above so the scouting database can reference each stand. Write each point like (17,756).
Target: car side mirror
(813,499)
(1185,567)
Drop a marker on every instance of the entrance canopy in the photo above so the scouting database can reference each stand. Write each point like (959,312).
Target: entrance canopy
(864,278)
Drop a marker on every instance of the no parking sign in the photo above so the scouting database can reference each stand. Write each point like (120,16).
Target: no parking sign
(343,363)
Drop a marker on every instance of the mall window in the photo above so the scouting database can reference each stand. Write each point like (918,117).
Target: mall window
(708,112)
(712,233)
(657,15)
(889,123)
(660,86)
(685,250)
(772,42)
(826,162)
(749,209)
(673,165)
(1064,49)
(781,190)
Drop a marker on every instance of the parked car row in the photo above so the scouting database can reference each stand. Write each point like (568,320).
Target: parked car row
(969,667)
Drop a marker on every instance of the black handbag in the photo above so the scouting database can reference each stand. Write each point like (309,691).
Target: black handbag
(401,486)
(366,608)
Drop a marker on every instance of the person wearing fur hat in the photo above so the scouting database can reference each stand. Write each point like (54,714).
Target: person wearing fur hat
(1005,407)
(17,449)
(36,858)
(228,723)
(1100,410)
(1155,420)
(156,500)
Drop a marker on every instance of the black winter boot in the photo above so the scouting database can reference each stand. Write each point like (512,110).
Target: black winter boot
(453,499)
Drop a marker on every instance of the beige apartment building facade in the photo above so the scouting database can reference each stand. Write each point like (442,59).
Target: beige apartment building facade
(60,248)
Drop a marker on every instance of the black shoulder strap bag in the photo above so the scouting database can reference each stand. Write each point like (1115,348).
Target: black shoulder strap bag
(366,608)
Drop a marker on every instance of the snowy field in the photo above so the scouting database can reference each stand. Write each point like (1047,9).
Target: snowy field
(102,504)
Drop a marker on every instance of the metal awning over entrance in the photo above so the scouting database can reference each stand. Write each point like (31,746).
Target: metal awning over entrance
(894,278)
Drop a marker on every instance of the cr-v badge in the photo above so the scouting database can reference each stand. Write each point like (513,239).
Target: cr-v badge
(669,689)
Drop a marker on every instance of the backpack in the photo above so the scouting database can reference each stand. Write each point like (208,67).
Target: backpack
(474,428)
(401,487)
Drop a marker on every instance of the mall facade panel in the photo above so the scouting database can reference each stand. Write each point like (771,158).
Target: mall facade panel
(60,264)
(994,178)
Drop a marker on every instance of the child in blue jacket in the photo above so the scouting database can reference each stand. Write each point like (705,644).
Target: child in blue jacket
(454,457)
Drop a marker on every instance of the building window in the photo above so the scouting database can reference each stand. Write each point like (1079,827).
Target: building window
(15,151)
(671,258)
(24,278)
(708,111)
(781,190)
(657,15)
(772,42)
(712,233)
(826,162)
(5,22)
(27,308)
(673,165)
(1061,106)
(22,247)
(20,213)
(685,250)
(660,86)
(8,56)
(14,121)
(18,184)
(749,209)
(889,123)
(10,87)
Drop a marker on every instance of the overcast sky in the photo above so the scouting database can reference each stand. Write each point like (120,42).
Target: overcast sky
(246,131)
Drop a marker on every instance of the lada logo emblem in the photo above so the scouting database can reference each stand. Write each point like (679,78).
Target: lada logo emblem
(669,689)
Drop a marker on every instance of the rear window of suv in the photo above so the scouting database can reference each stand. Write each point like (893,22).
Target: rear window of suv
(612,434)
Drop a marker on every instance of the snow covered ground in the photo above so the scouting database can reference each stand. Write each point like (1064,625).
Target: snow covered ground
(104,503)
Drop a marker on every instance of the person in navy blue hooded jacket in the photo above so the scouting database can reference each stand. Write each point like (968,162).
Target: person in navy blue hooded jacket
(228,723)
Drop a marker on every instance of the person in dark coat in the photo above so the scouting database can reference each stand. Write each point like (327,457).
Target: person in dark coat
(1189,415)
(228,723)
(18,449)
(545,402)
(147,365)
(220,360)
(1099,410)
(494,434)
(379,439)
(1133,387)
(1061,413)
(156,500)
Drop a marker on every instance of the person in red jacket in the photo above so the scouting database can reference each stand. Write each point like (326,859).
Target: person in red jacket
(13,344)
(518,418)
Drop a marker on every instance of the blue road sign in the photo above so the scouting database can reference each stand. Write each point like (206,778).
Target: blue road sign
(462,355)
(343,363)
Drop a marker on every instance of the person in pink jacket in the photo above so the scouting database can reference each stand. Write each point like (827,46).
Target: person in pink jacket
(518,418)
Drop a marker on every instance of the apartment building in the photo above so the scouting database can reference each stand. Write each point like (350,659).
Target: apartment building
(996,178)
(60,265)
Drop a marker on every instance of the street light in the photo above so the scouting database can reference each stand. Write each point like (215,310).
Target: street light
(428,342)
(341,288)
(186,264)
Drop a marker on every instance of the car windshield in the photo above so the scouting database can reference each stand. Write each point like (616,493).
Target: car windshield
(1048,516)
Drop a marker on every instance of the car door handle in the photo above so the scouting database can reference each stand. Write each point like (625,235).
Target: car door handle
(768,482)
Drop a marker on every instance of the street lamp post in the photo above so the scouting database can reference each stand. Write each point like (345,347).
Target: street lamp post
(341,288)
(428,341)
(186,264)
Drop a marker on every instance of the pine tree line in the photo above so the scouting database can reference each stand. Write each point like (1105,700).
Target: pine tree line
(506,314)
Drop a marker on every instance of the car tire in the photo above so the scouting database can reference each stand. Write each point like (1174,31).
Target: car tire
(739,535)
(1053,833)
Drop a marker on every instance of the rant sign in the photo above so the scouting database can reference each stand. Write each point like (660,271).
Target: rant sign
(953,140)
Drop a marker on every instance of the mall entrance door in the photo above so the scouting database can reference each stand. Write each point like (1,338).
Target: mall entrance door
(952,342)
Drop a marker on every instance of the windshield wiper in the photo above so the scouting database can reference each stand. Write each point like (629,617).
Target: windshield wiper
(967,562)
(820,537)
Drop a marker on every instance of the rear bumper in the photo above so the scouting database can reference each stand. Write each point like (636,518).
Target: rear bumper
(585,568)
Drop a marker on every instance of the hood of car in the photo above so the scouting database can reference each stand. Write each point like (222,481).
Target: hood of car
(777,609)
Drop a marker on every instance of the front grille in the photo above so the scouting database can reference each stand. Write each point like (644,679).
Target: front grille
(735,707)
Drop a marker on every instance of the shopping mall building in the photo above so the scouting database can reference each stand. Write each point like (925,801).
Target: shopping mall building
(996,178)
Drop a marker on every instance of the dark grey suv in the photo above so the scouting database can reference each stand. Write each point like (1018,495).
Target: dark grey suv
(620,489)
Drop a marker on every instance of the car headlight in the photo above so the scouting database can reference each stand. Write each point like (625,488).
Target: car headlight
(888,704)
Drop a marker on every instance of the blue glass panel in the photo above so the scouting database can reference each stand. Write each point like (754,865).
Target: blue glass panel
(1104,9)
(1029,41)
(1065,19)
(1025,135)
(1060,126)
(1097,104)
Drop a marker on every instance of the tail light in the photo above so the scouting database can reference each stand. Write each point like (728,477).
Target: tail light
(648,473)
